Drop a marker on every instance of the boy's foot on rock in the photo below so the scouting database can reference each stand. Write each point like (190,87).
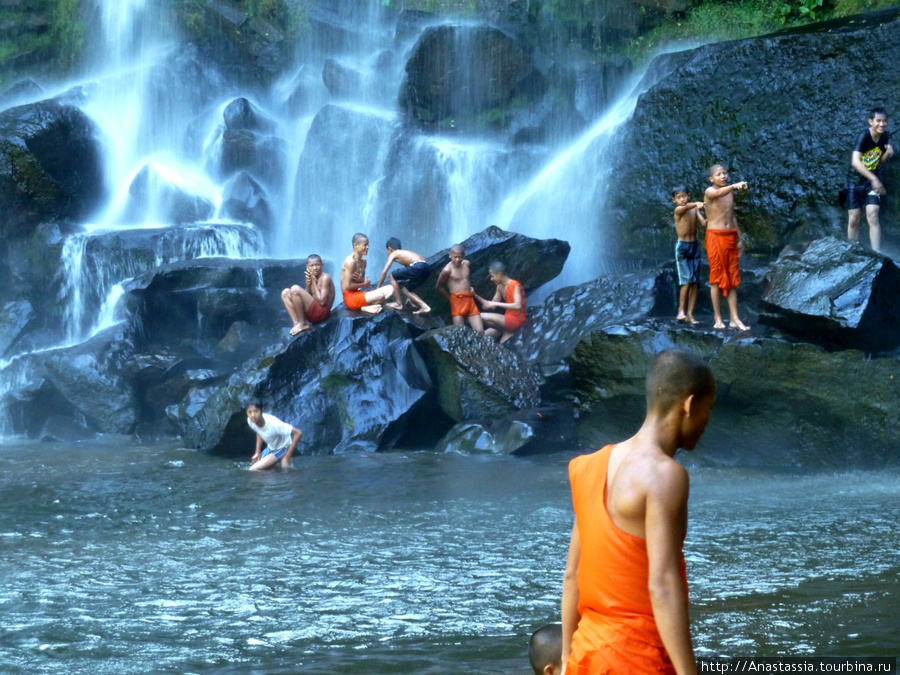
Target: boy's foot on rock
(718,325)
(425,309)
(737,323)
(691,320)
(394,305)
(299,328)
(681,317)
(371,309)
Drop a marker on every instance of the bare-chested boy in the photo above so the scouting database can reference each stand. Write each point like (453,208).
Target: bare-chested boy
(724,245)
(313,303)
(415,271)
(687,251)
(354,280)
(458,291)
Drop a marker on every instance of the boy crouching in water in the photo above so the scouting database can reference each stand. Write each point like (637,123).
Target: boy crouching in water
(687,251)
(280,438)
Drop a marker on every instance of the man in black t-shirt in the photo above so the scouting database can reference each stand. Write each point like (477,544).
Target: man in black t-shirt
(864,186)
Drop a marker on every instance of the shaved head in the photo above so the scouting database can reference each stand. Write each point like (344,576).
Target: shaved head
(457,248)
(675,375)
(358,237)
(545,647)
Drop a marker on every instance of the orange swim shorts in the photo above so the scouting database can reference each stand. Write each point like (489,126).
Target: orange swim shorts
(355,299)
(463,304)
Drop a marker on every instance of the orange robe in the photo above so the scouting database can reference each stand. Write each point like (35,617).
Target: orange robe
(514,319)
(617,632)
(722,250)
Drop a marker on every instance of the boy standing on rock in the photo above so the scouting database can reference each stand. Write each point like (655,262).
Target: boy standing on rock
(455,276)
(864,187)
(724,245)
(687,251)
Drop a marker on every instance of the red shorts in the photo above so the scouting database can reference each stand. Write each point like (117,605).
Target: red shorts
(513,320)
(355,299)
(317,312)
(463,304)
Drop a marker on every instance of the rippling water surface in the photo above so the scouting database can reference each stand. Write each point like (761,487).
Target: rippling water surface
(129,559)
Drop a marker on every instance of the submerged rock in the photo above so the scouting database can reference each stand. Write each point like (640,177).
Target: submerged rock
(835,294)
(549,428)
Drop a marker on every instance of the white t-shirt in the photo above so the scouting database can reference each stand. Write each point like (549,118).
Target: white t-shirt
(276,434)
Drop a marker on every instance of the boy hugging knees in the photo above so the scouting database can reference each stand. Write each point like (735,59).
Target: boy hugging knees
(312,304)
(724,245)
(355,285)
(455,276)
(687,251)
(413,272)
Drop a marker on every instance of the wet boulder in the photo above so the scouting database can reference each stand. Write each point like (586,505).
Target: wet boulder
(531,262)
(463,76)
(84,385)
(262,155)
(153,197)
(20,91)
(541,430)
(201,299)
(475,377)
(243,199)
(339,162)
(779,403)
(50,166)
(242,115)
(347,384)
(836,294)
(14,316)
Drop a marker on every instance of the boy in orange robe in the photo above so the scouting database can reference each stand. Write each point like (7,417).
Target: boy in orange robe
(625,600)
(724,245)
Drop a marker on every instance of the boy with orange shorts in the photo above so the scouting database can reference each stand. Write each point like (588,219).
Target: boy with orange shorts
(453,283)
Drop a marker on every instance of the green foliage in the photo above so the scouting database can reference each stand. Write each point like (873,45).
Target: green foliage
(68,32)
(435,6)
(801,9)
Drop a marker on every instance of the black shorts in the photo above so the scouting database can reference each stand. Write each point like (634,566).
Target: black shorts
(412,277)
(860,196)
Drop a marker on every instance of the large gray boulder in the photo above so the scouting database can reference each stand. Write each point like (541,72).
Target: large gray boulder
(475,377)
(347,384)
(155,198)
(780,111)
(835,294)
(462,77)
(50,167)
(779,403)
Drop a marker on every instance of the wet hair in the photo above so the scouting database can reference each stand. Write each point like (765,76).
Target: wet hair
(678,189)
(457,248)
(314,256)
(545,647)
(717,166)
(393,243)
(358,237)
(255,402)
(497,267)
(675,375)
(877,111)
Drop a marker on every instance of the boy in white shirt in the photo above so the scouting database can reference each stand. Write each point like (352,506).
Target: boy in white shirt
(280,438)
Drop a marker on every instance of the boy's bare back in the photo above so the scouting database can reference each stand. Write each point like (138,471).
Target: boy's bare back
(405,258)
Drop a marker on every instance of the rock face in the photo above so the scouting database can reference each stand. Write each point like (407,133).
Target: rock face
(154,197)
(373,376)
(835,294)
(50,167)
(458,76)
(475,377)
(779,403)
(681,126)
